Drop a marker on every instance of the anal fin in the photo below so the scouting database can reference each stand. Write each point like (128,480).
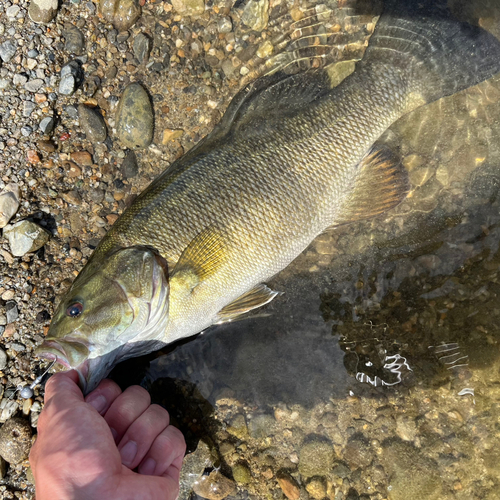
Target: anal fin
(382,184)
(256,297)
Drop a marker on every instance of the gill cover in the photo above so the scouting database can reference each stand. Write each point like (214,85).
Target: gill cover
(123,301)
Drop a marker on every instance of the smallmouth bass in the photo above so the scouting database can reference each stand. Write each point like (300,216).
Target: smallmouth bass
(291,157)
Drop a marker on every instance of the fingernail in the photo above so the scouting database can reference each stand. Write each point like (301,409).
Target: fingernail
(148,467)
(128,452)
(98,402)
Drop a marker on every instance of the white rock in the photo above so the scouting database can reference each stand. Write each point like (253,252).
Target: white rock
(9,203)
(25,236)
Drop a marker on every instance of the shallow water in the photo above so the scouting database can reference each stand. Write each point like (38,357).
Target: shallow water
(376,373)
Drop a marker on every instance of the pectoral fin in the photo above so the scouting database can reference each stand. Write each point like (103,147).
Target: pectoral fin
(256,297)
(382,184)
(200,259)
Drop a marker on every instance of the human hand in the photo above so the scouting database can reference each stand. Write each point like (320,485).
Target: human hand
(88,448)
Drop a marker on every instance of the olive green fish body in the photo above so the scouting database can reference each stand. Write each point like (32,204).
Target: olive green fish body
(290,158)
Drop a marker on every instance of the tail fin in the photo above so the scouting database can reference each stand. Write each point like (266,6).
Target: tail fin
(443,54)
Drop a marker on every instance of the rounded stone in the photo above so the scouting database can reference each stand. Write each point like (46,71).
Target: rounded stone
(189,7)
(142,47)
(9,203)
(25,236)
(316,458)
(92,123)
(241,473)
(42,11)
(74,40)
(15,440)
(121,13)
(214,486)
(134,118)
(129,167)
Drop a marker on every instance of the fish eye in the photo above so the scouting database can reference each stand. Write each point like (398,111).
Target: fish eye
(74,309)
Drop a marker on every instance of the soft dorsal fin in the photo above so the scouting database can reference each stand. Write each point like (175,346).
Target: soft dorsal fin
(382,183)
(201,258)
(256,297)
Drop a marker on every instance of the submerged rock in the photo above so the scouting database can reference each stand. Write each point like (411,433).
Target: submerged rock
(189,7)
(256,14)
(121,13)
(25,236)
(9,203)
(289,486)
(214,486)
(92,123)
(413,475)
(316,458)
(134,118)
(42,11)
(192,468)
(15,440)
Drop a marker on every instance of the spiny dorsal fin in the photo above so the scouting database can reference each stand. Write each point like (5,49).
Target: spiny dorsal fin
(201,258)
(256,297)
(382,184)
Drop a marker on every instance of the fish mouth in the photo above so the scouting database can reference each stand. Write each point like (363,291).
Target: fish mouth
(71,355)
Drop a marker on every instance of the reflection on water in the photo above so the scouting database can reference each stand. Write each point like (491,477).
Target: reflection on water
(376,372)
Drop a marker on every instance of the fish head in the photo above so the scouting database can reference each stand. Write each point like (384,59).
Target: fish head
(113,311)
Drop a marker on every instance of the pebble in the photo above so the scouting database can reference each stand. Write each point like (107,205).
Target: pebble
(189,7)
(15,440)
(13,11)
(82,158)
(74,40)
(129,166)
(34,85)
(47,125)
(134,118)
(214,486)
(25,236)
(9,203)
(256,14)
(72,197)
(121,13)
(28,108)
(8,50)
(142,47)
(20,79)
(289,486)
(11,311)
(3,359)
(71,78)
(316,488)
(42,11)
(92,123)
(316,458)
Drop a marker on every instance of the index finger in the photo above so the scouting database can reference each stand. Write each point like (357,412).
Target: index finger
(61,391)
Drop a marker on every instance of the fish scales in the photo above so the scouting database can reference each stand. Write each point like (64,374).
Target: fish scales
(291,157)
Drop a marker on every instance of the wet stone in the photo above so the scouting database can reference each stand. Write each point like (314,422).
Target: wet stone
(92,123)
(121,13)
(25,236)
(260,426)
(129,166)
(289,486)
(15,440)
(214,486)
(241,473)
(9,203)
(316,458)
(134,118)
(189,7)
(8,50)
(42,11)
(142,47)
(316,488)
(256,14)
(357,453)
(413,475)
(83,158)
(238,427)
(74,40)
